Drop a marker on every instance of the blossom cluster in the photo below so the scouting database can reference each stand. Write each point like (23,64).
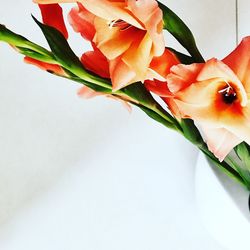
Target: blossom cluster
(207,101)
(128,46)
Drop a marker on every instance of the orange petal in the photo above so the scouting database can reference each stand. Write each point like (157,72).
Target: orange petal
(159,88)
(120,74)
(52,68)
(53,16)
(182,76)
(111,10)
(133,65)
(138,57)
(202,102)
(240,124)
(96,62)
(164,63)
(82,21)
(220,141)
(111,41)
(239,62)
(87,93)
(149,13)
(215,68)
(172,106)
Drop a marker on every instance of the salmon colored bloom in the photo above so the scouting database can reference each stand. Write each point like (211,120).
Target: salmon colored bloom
(216,95)
(127,32)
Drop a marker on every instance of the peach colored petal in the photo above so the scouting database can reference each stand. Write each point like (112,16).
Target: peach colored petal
(202,102)
(106,9)
(111,41)
(220,141)
(240,124)
(164,63)
(82,21)
(87,93)
(159,88)
(239,62)
(120,74)
(182,76)
(138,57)
(111,10)
(172,106)
(215,68)
(152,75)
(133,65)
(149,13)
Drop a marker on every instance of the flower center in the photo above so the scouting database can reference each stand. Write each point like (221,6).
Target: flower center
(122,25)
(229,95)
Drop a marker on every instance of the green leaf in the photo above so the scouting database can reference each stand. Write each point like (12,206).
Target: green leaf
(227,169)
(191,132)
(243,152)
(16,40)
(155,116)
(184,59)
(66,57)
(94,87)
(174,25)
(138,92)
(35,55)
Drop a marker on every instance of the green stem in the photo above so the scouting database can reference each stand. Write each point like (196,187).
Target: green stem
(223,166)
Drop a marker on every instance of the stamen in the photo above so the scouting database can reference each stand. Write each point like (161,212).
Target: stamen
(229,95)
(119,24)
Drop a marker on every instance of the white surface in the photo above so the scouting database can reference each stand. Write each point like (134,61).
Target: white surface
(65,183)
(223,206)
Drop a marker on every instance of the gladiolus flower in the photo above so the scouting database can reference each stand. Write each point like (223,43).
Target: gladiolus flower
(216,96)
(127,32)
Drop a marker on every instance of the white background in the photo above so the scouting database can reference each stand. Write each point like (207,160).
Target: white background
(77,174)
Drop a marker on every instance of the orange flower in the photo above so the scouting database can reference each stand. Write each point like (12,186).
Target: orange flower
(127,32)
(216,96)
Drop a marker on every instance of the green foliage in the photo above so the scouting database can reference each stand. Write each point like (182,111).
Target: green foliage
(191,132)
(23,44)
(174,25)
(67,58)
(243,152)
(184,59)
